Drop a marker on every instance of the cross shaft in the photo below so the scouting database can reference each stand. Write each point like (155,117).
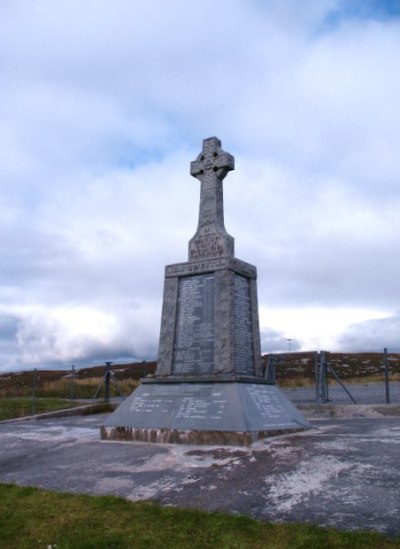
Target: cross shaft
(210,167)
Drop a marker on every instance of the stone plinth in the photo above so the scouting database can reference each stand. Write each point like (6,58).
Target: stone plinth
(227,412)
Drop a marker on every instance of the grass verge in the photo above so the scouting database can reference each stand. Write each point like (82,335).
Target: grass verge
(11,408)
(30,517)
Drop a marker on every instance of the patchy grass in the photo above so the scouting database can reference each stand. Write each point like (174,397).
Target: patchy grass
(30,517)
(83,388)
(11,408)
(80,383)
(64,387)
(369,379)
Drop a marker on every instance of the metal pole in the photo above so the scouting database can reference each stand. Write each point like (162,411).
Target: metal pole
(71,386)
(322,381)
(322,376)
(326,366)
(270,374)
(107,378)
(386,374)
(34,392)
(316,375)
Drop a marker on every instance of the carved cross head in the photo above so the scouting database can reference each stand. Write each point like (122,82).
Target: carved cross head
(212,161)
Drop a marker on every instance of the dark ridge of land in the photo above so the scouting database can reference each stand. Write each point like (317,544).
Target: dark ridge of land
(85,380)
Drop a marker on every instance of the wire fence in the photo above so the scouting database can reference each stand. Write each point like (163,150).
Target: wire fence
(321,377)
(338,378)
(84,384)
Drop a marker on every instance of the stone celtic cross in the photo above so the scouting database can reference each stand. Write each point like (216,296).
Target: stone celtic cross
(209,386)
(210,167)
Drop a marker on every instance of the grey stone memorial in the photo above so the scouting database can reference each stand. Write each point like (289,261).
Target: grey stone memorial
(208,387)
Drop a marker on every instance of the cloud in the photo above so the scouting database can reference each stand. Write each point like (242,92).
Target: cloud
(8,330)
(273,341)
(58,335)
(103,106)
(372,335)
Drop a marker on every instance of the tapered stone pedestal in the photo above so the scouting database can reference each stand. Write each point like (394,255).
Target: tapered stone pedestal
(203,413)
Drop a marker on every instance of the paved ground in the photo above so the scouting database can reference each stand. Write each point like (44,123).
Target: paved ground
(344,473)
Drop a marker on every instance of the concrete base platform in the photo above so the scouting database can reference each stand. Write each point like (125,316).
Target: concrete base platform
(230,413)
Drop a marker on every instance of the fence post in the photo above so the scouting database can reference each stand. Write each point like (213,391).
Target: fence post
(270,373)
(322,389)
(318,380)
(34,392)
(71,387)
(386,374)
(327,355)
(107,379)
(316,363)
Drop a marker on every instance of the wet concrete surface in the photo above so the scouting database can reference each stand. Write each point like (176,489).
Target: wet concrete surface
(344,473)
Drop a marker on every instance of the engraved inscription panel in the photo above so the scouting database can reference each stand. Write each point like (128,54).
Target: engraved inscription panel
(243,335)
(183,404)
(196,407)
(194,334)
(267,403)
(163,400)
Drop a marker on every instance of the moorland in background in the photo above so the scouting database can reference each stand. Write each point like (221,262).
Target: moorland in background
(291,369)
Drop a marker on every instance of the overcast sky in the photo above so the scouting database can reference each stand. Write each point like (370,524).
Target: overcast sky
(104,103)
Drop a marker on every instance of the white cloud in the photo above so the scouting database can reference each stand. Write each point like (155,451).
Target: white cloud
(103,105)
(372,335)
(273,341)
(318,328)
(67,333)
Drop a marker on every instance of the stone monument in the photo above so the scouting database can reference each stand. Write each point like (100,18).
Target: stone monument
(209,386)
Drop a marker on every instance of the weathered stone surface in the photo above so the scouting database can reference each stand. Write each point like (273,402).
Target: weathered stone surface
(167,335)
(224,323)
(256,328)
(191,436)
